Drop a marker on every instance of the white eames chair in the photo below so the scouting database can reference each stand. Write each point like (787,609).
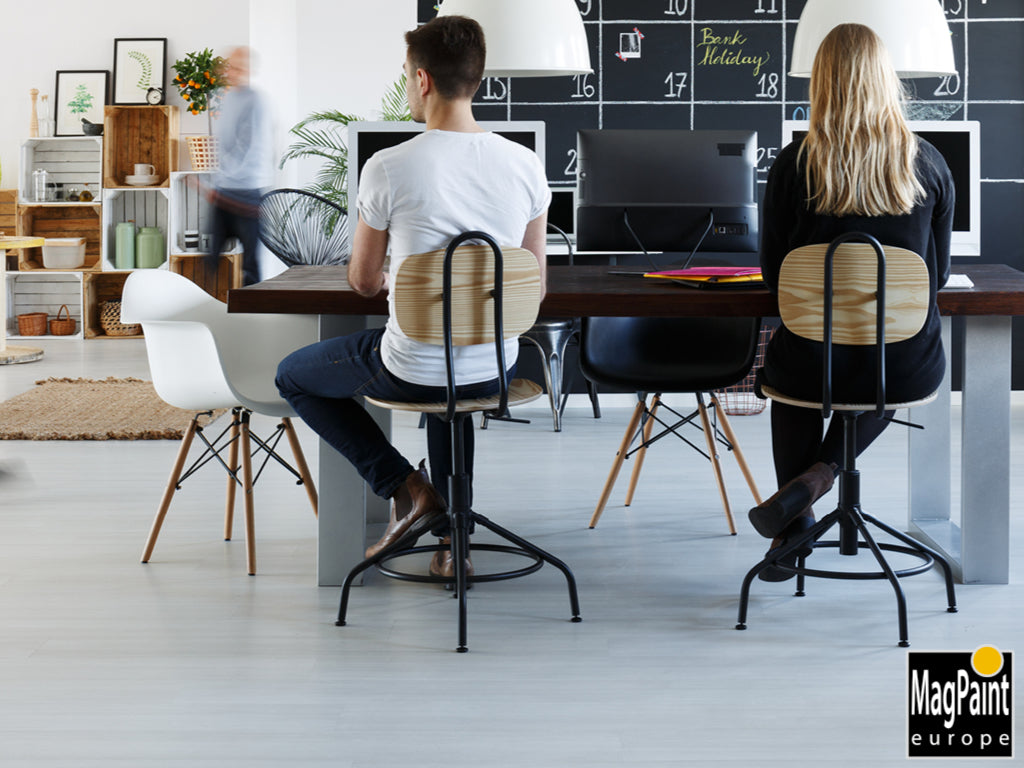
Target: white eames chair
(203,359)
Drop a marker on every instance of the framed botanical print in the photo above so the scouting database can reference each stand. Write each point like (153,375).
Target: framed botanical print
(79,95)
(140,64)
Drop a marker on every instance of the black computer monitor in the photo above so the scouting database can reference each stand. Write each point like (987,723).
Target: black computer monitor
(667,190)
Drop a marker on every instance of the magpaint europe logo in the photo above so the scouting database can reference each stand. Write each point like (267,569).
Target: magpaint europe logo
(960,704)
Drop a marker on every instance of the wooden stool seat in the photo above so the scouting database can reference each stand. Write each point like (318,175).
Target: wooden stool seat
(520,391)
(773,394)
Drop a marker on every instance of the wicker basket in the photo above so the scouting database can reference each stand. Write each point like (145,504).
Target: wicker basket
(110,320)
(202,151)
(739,399)
(32,324)
(63,326)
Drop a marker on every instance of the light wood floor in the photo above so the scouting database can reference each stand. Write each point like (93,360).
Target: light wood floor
(189,661)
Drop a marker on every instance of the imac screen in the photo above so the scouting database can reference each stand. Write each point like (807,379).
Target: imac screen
(367,137)
(958,142)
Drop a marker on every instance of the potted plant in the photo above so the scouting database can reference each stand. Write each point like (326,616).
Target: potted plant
(322,135)
(199,82)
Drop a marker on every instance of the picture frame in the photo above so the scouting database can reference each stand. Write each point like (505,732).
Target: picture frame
(79,94)
(140,70)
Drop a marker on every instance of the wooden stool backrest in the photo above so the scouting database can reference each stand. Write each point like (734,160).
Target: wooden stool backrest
(801,293)
(419,289)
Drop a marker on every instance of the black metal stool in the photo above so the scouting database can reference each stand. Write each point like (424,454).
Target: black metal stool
(853,309)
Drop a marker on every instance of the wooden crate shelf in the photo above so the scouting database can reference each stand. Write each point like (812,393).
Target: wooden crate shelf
(100,287)
(139,134)
(215,282)
(81,220)
(9,222)
(8,211)
(75,160)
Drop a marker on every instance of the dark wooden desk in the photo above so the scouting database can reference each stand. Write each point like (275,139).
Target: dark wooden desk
(978,544)
(592,291)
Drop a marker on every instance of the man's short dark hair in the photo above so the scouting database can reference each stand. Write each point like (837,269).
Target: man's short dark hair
(452,50)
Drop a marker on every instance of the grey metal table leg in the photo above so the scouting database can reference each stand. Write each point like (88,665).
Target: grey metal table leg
(978,544)
(345,502)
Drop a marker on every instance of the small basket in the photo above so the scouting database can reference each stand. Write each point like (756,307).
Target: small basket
(32,324)
(110,320)
(202,151)
(63,326)
(739,399)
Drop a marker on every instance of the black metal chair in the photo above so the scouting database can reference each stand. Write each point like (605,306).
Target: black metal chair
(852,291)
(302,228)
(494,299)
(551,336)
(671,355)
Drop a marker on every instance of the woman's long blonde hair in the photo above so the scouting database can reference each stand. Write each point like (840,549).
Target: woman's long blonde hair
(859,151)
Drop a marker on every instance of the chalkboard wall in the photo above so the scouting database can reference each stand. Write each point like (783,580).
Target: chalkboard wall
(722,64)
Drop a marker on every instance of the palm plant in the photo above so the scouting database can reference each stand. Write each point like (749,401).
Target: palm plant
(322,135)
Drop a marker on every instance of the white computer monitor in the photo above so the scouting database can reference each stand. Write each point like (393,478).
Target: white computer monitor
(365,137)
(959,142)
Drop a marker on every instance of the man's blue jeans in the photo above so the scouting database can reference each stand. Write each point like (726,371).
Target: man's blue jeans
(321,382)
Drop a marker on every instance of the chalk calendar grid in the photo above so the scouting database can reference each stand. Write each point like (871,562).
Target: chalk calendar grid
(721,64)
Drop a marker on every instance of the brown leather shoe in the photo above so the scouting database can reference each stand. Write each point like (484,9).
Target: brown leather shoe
(428,507)
(443,564)
(801,523)
(772,516)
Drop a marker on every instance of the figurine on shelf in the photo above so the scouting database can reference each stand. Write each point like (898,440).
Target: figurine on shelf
(33,123)
(45,121)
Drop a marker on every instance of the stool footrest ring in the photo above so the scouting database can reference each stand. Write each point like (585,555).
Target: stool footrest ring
(927,563)
(535,565)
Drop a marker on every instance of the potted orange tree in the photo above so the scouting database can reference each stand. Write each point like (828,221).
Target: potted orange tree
(199,82)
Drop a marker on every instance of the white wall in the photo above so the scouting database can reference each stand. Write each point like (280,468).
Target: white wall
(338,54)
(49,35)
(316,55)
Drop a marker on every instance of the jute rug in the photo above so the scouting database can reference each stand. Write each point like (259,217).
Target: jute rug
(87,409)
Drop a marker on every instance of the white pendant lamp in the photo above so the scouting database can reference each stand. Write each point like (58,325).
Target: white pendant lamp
(528,38)
(914,31)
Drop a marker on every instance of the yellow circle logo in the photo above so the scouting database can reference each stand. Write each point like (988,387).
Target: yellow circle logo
(987,661)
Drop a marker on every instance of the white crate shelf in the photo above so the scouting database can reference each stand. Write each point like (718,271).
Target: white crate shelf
(43,292)
(146,207)
(67,160)
(190,210)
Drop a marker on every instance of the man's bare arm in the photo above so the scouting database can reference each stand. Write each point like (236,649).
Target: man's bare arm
(366,264)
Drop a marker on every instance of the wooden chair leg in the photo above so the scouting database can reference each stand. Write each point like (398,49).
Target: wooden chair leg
(638,462)
(250,516)
(300,462)
(709,436)
(172,485)
(617,464)
(731,437)
(229,505)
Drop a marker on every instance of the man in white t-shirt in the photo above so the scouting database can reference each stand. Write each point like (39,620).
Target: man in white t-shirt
(415,198)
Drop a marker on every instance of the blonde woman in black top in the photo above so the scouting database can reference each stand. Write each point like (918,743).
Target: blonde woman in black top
(860,169)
